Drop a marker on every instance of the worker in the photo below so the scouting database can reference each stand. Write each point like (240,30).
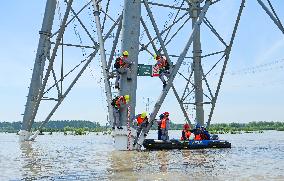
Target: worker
(197,133)
(118,103)
(185,132)
(122,65)
(142,122)
(205,134)
(164,68)
(165,125)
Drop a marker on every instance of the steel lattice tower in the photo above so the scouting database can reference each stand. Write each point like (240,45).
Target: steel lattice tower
(124,30)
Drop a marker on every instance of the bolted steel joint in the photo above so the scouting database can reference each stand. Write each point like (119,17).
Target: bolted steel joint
(45,33)
(96,13)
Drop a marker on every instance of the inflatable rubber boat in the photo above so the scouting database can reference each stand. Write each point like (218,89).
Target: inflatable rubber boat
(152,144)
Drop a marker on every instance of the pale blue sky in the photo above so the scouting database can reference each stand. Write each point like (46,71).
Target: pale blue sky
(252,89)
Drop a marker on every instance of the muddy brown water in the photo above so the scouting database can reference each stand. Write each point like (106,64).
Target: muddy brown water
(254,156)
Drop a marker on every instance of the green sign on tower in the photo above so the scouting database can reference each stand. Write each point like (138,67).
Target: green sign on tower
(144,70)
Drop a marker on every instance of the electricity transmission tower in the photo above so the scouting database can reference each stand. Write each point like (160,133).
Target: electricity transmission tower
(138,27)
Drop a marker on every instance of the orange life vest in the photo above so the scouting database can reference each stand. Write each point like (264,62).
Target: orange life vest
(140,120)
(198,137)
(187,134)
(164,123)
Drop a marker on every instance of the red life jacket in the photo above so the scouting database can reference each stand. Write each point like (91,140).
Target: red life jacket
(122,62)
(117,103)
(187,134)
(162,63)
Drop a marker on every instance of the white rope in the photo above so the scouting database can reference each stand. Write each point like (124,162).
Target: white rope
(128,129)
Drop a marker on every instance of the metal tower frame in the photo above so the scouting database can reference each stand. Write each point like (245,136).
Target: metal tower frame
(38,88)
(128,24)
(197,67)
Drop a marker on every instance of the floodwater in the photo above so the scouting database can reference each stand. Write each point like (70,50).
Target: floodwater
(254,156)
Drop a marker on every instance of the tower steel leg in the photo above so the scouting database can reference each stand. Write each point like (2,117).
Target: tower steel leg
(130,42)
(36,81)
(197,65)
(103,60)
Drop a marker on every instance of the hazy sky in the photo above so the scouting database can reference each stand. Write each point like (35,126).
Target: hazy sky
(252,89)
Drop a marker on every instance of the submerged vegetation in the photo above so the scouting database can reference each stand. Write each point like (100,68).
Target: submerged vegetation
(234,128)
(77,127)
(82,127)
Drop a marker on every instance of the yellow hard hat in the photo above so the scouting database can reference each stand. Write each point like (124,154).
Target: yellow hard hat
(156,56)
(143,115)
(127,97)
(125,53)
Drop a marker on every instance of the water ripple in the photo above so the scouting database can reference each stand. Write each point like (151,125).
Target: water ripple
(92,157)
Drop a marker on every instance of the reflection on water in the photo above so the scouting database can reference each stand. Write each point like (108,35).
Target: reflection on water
(92,157)
(31,163)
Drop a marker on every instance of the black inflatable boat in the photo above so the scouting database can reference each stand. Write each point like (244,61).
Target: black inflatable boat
(152,144)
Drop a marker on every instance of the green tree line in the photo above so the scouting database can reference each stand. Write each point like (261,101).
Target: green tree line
(55,126)
(84,125)
(251,126)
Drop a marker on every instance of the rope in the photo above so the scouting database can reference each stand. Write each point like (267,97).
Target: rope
(128,129)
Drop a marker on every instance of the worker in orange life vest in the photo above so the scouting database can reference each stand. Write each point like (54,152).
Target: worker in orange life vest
(118,103)
(165,125)
(197,133)
(122,65)
(185,132)
(141,120)
(164,68)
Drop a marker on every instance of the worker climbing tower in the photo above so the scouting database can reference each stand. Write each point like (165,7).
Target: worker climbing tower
(142,29)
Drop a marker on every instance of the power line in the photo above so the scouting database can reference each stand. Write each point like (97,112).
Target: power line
(270,66)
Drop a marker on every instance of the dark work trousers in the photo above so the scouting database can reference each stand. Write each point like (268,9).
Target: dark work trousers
(159,133)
